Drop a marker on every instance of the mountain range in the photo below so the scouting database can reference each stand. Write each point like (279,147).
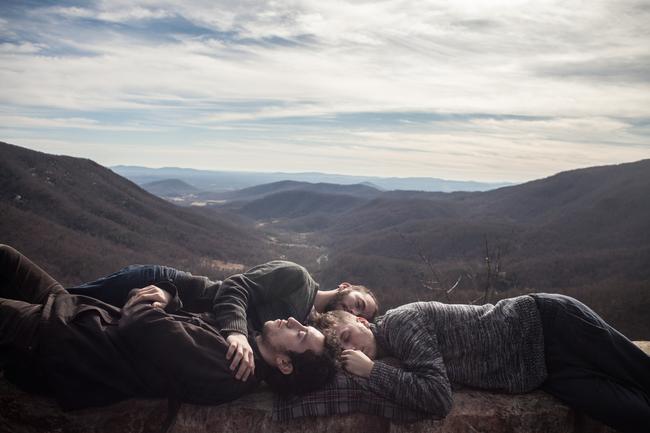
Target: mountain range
(84,221)
(221,181)
(583,232)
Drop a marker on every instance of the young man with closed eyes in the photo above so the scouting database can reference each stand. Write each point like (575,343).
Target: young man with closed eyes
(85,352)
(546,341)
(274,290)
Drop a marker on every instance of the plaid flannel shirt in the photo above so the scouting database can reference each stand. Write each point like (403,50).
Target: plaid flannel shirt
(344,395)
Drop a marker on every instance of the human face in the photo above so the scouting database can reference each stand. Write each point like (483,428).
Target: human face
(292,336)
(355,334)
(358,303)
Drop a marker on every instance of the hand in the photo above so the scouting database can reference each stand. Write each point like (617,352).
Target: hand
(357,362)
(154,295)
(242,356)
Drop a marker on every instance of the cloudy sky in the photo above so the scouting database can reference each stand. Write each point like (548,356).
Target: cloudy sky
(482,90)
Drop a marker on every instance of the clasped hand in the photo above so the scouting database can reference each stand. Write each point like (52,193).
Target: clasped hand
(241,353)
(154,295)
(357,362)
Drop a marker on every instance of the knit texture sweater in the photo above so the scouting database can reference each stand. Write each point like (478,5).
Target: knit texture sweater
(497,347)
(275,290)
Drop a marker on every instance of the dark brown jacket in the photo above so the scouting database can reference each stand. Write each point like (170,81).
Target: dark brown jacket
(91,353)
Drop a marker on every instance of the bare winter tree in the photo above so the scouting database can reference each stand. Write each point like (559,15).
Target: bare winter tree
(438,284)
(483,281)
(492,268)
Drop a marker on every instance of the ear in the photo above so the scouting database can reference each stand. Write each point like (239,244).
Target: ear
(363,320)
(284,364)
(343,285)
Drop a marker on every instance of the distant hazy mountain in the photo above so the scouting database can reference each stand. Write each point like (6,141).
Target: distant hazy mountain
(260,191)
(169,188)
(220,181)
(594,211)
(81,220)
(298,203)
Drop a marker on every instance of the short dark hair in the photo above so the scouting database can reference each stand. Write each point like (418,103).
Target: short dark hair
(310,371)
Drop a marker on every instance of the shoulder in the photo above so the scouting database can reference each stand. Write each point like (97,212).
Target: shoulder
(282,273)
(403,313)
(278,265)
(401,323)
(282,268)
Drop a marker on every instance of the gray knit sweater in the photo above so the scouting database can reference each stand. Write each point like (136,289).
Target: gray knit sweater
(498,347)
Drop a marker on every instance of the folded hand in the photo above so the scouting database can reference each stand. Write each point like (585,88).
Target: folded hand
(357,362)
(242,356)
(154,295)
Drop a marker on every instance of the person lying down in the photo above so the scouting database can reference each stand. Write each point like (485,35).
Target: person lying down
(546,341)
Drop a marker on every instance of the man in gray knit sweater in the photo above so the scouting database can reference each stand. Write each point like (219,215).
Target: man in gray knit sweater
(517,345)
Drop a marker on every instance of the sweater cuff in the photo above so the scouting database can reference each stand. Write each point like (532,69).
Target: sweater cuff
(234,325)
(381,376)
(175,302)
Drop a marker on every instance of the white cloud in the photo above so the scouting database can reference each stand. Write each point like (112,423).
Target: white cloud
(70,123)
(397,56)
(121,14)
(581,69)
(20,48)
(72,12)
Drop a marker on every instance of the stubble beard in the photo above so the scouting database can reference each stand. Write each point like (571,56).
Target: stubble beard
(267,340)
(336,301)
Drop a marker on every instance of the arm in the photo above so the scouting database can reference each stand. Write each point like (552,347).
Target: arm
(265,292)
(421,383)
(179,359)
(115,289)
(269,285)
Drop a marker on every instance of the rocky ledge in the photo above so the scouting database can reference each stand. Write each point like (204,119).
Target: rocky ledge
(473,411)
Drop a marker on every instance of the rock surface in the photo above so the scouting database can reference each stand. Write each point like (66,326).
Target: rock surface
(473,411)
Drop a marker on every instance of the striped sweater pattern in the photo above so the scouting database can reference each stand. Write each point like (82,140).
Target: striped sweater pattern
(496,347)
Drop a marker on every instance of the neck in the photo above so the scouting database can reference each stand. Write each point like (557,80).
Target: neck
(323,297)
(379,349)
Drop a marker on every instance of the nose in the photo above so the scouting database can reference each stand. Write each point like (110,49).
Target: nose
(352,310)
(295,324)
